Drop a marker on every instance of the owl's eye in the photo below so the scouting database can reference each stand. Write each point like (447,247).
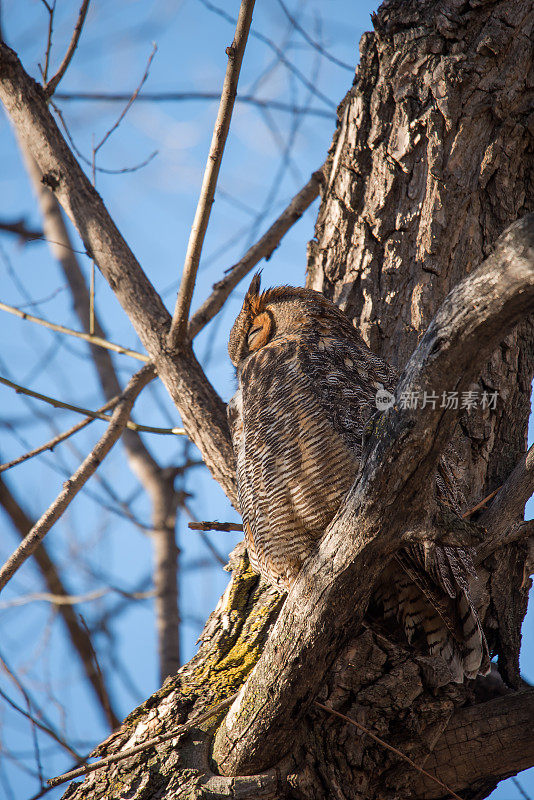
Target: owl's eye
(260,331)
(253,335)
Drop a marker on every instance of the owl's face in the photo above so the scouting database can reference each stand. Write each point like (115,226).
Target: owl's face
(281,312)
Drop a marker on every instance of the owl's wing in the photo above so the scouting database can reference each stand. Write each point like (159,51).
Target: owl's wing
(427,585)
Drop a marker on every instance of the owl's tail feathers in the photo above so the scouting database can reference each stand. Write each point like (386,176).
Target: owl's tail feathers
(460,642)
(466,655)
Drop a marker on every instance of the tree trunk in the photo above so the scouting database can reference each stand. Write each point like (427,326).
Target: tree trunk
(431,160)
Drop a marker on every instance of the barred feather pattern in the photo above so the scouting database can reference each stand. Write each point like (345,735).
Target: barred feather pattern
(307,390)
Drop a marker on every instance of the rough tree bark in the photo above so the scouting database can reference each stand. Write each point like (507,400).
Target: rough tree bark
(431,161)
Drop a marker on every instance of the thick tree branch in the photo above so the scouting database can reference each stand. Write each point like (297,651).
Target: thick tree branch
(372,523)
(482,743)
(235,54)
(202,411)
(88,467)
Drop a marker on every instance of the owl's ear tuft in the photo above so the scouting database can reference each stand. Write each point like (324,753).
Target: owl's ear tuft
(253,291)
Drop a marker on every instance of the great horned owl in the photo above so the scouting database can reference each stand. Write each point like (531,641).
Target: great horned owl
(307,388)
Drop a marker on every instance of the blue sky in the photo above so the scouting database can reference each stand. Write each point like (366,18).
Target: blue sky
(269,156)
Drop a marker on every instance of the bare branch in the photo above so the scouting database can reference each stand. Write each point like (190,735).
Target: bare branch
(79,638)
(158,482)
(83,473)
(480,505)
(57,439)
(316,45)
(170,97)
(278,51)
(50,86)
(214,526)
(370,526)
(235,55)
(127,107)
(155,740)
(133,426)
(87,337)
(34,721)
(51,10)
(74,599)
(264,248)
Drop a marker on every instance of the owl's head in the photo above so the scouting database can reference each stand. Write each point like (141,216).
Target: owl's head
(280,312)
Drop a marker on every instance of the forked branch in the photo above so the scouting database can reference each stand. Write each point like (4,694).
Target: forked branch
(50,86)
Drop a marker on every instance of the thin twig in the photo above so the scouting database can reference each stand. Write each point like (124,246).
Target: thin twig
(45,728)
(128,105)
(520,789)
(214,526)
(57,439)
(235,54)
(170,97)
(277,50)
(315,44)
(23,524)
(51,10)
(262,249)
(133,426)
(87,337)
(40,725)
(481,504)
(390,747)
(74,599)
(153,742)
(71,487)
(121,171)
(96,664)
(213,550)
(50,86)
